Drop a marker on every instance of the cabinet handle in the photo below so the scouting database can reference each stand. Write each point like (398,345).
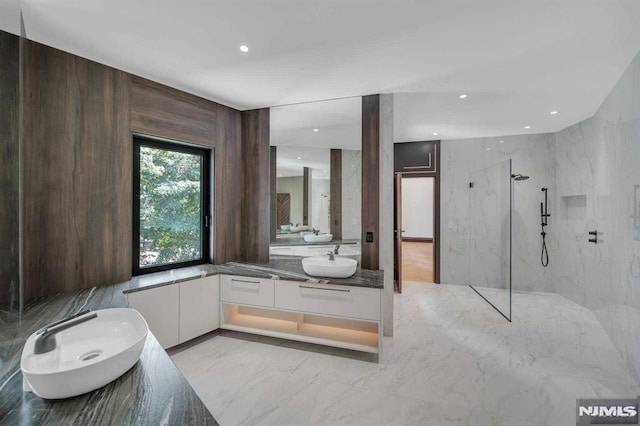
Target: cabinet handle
(324,288)
(245,281)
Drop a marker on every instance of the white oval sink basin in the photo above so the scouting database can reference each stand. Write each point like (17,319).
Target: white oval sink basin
(321,266)
(87,356)
(322,238)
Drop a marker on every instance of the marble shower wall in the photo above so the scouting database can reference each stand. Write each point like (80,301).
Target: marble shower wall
(531,155)
(351,194)
(598,165)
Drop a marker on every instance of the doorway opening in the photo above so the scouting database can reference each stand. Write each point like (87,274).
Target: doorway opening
(417,228)
(416,213)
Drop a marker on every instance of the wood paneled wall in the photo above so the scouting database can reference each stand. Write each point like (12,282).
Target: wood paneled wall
(256,203)
(77,172)
(228,188)
(9,170)
(165,112)
(78,122)
(370,181)
(335,191)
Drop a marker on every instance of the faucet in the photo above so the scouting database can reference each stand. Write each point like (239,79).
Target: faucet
(46,342)
(331,256)
(336,249)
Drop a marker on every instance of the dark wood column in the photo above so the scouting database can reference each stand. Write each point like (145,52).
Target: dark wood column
(306,193)
(370,181)
(256,195)
(335,207)
(9,171)
(273,156)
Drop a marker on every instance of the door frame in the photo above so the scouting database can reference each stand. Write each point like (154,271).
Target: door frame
(434,173)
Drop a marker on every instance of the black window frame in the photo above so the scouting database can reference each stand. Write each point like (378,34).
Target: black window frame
(206,220)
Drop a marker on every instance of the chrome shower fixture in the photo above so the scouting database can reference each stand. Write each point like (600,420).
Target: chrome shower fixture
(519,177)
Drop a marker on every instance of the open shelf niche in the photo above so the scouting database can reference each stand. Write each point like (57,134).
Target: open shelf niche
(339,332)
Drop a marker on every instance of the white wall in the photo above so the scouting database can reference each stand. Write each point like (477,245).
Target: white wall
(351,194)
(600,158)
(292,186)
(319,206)
(417,207)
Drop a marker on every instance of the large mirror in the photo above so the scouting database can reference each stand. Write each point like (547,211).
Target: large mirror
(318,161)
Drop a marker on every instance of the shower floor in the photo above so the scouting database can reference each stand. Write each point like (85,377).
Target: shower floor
(452,360)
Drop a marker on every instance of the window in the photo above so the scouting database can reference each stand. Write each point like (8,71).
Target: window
(171,205)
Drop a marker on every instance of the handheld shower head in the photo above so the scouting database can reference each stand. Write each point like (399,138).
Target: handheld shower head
(519,177)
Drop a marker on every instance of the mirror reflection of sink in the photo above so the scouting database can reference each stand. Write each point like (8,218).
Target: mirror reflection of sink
(321,266)
(86,356)
(298,228)
(321,238)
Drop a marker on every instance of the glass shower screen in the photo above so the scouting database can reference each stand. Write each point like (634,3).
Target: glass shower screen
(490,203)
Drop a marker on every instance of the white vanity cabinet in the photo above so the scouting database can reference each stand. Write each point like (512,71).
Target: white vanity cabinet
(180,312)
(327,299)
(199,307)
(160,308)
(246,290)
(333,315)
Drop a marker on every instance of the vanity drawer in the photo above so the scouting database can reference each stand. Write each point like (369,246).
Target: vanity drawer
(344,301)
(246,290)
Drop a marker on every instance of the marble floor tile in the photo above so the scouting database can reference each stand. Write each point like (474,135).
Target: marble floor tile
(452,360)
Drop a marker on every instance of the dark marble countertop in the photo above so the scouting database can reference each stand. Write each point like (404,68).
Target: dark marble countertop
(152,392)
(290,269)
(297,241)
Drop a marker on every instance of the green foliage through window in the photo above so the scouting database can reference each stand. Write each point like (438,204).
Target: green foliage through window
(170,206)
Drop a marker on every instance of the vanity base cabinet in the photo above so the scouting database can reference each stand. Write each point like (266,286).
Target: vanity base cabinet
(179,312)
(160,309)
(199,307)
(348,317)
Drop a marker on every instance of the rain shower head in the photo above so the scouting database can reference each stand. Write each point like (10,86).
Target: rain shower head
(519,177)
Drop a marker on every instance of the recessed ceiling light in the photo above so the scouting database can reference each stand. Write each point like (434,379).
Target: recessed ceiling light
(435,133)
(316,130)
(279,175)
(244,48)
(553,112)
(463,96)
(527,127)
(488,149)
(501,141)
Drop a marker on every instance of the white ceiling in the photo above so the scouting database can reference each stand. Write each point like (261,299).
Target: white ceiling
(516,59)
(317,159)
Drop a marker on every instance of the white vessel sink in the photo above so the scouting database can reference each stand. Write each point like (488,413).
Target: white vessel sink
(322,238)
(87,356)
(321,266)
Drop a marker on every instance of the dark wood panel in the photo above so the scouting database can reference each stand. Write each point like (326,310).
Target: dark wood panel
(283,209)
(273,172)
(256,203)
(170,113)
(306,193)
(370,181)
(77,172)
(227,190)
(9,170)
(335,191)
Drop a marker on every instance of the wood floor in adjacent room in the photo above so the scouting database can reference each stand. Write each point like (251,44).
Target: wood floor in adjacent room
(417,261)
